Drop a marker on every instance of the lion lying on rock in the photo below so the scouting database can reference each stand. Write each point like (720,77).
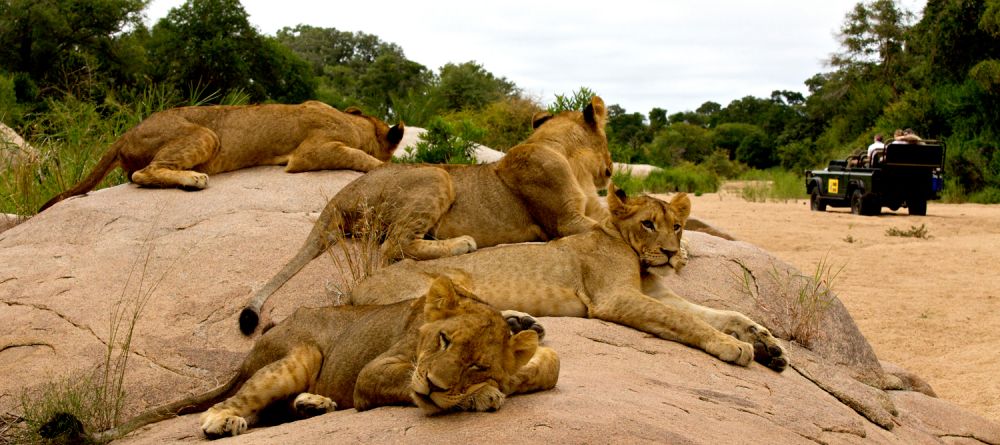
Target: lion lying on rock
(596,274)
(443,352)
(180,147)
(544,188)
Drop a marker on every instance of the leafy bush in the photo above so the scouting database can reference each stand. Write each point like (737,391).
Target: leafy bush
(772,184)
(505,122)
(686,177)
(572,102)
(445,143)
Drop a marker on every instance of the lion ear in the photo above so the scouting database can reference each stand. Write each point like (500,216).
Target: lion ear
(595,113)
(442,300)
(396,133)
(540,118)
(681,205)
(524,344)
(616,200)
(354,110)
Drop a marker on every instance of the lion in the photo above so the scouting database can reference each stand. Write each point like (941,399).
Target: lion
(604,273)
(543,188)
(180,147)
(444,351)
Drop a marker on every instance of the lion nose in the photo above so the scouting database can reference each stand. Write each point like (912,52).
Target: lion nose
(669,253)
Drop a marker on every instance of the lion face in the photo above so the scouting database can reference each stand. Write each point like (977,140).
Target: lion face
(652,227)
(466,353)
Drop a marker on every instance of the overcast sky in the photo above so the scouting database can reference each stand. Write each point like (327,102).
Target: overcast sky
(639,54)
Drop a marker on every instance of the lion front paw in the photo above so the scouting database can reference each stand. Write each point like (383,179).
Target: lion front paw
(487,398)
(729,349)
(681,259)
(216,424)
(309,405)
(520,321)
(766,349)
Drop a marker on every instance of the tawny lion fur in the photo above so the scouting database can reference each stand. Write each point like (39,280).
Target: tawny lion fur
(180,147)
(445,351)
(595,274)
(543,188)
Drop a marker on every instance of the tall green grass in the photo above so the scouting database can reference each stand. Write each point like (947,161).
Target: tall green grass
(690,178)
(772,185)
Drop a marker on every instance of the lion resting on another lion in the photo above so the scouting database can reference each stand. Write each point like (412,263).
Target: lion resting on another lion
(596,274)
(180,147)
(543,188)
(445,351)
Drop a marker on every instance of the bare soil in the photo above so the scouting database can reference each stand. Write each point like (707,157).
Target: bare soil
(931,305)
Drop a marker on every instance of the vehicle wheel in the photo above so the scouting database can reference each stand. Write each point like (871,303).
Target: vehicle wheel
(816,202)
(857,201)
(917,207)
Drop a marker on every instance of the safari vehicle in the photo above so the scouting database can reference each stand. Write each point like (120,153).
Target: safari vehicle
(901,175)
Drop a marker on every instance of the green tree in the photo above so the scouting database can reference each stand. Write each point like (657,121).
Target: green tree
(470,86)
(208,46)
(627,132)
(574,101)
(77,47)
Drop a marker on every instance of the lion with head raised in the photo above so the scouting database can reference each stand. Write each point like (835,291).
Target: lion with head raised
(602,273)
(543,188)
(180,147)
(444,351)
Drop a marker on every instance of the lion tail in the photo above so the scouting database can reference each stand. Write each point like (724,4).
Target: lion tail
(67,425)
(317,242)
(107,163)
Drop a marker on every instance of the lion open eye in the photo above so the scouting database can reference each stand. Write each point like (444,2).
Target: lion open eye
(444,341)
(648,224)
(677,227)
(479,368)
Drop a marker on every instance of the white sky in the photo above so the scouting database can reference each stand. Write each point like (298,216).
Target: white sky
(639,54)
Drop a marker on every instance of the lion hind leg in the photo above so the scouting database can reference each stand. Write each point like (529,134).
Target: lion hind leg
(416,213)
(293,374)
(314,154)
(174,162)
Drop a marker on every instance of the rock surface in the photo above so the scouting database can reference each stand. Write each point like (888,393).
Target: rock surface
(64,269)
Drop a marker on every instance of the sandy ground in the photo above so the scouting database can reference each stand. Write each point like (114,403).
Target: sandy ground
(930,305)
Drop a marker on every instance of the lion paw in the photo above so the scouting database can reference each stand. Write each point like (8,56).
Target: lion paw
(520,321)
(196,181)
(487,398)
(309,405)
(766,349)
(729,349)
(463,244)
(217,424)
(681,259)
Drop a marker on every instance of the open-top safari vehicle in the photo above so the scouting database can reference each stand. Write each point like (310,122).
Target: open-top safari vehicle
(900,175)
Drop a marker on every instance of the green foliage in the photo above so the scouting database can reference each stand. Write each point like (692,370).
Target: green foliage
(574,101)
(679,142)
(627,132)
(231,54)
(470,86)
(772,185)
(445,143)
(686,177)
(505,123)
(73,47)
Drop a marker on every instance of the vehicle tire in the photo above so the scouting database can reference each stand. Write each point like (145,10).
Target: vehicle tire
(816,202)
(917,207)
(857,202)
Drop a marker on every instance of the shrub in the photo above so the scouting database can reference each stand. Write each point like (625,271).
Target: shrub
(445,143)
(686,177)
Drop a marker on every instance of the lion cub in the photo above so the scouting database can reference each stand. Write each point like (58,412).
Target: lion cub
(180,147)
(445,351)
